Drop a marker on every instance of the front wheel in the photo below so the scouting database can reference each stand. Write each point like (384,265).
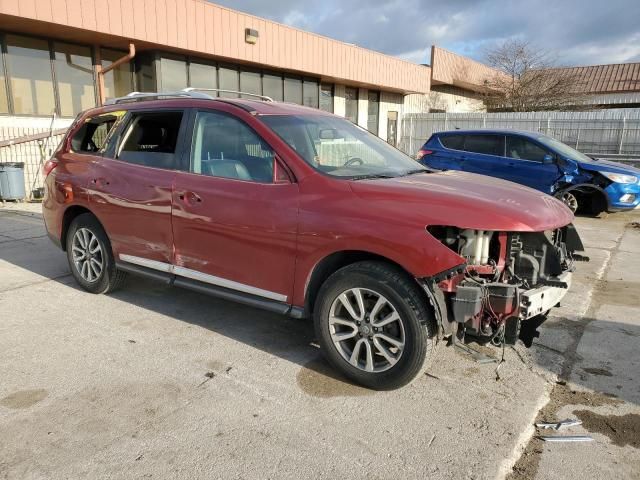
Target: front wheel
(373,324)
(90,256)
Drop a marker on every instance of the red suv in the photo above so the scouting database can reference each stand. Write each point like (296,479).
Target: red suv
(301,212)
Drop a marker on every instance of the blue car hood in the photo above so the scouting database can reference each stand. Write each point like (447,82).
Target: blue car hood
(607,166)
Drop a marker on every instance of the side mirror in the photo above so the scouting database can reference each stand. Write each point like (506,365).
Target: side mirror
(548,158)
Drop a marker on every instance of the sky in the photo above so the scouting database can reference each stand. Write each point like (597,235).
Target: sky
(574,32)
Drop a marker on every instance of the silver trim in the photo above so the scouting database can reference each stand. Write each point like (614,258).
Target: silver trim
(190,92)
(542,299)
(202,277)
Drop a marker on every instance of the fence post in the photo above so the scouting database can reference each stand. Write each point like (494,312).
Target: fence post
(484,120)
(578,138)
(548,124)
(411,133)
(446,123)
(624,130)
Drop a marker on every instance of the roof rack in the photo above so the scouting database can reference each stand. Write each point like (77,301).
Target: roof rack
(191,92)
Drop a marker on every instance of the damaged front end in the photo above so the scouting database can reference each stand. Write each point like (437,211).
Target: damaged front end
(505,278)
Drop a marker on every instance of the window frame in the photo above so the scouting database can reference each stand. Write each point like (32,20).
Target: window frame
(119,136)
(357,100)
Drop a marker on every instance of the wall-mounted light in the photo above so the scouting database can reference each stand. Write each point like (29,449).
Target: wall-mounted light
(251,36)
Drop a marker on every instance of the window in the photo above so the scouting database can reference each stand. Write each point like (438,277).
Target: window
(373,116)
(93,135)
(518,147)
(202,75)
(453,142)
(150,139)
(293,90)
(339,148)
(173,74)
(4,103)
(223,146)
(273,86)
(351,104)
(119,81)
(310,93)
(74,76)
(228,78)
(29,65)
(485,144)
(250,83)
(326,97)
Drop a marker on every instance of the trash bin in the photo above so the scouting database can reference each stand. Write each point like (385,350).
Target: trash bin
(12,181)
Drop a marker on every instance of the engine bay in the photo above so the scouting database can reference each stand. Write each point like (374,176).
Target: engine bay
(507,277)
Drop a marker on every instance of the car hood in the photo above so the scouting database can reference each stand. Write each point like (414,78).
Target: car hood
(463,200)
(608,166)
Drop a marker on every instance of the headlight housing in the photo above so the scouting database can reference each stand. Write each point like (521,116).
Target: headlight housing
(620,177)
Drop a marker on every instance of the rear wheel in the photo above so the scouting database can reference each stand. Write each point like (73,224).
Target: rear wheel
(90,256)
(373,324)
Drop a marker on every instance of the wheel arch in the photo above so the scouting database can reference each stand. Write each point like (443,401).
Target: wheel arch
(599,198)
(69,215)
(333,262)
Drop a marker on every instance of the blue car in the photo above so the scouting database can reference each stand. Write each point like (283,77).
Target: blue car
(537,161)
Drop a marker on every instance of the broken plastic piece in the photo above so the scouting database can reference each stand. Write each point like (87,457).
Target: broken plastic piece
(567,438)
(559,425)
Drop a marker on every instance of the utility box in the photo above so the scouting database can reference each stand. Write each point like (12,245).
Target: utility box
(12,181)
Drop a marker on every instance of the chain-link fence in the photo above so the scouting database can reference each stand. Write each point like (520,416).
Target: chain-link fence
(31,146)
(608,132)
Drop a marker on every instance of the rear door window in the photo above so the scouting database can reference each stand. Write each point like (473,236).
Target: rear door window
(524,149)
(485,144)
(454,142)
(150,139)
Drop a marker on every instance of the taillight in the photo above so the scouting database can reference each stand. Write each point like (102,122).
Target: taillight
(48,167)
(422,152)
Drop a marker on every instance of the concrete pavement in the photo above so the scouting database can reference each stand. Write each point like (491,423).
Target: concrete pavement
(156,382)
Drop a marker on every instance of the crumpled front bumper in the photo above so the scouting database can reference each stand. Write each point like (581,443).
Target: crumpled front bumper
(542,299)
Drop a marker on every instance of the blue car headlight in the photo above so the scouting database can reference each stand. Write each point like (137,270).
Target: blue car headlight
(620,177)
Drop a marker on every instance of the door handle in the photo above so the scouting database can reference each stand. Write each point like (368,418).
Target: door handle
(100,181)
(189,197)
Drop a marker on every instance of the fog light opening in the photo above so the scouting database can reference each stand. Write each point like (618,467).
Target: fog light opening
(627,198)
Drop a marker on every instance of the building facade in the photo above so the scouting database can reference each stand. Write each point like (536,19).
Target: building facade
(53,52)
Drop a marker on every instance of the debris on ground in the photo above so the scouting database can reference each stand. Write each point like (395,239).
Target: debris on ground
(567,438)
(558,425)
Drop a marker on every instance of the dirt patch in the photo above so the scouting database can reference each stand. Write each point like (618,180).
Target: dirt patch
(317,379)
(621,429)
(603,372)
(634,225)
(618,293)
(23,398)
(561,395)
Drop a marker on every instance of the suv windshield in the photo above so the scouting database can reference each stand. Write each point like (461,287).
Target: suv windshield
(564,149)
(339,148)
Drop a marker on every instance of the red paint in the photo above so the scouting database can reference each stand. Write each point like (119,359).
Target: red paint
(271,236)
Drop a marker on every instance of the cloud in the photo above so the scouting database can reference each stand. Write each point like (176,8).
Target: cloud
(576,32)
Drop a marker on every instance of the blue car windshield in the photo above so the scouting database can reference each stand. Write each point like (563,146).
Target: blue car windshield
(564,149)
(339,148)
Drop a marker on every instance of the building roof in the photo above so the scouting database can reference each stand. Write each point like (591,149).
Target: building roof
(612,78)
(203,29)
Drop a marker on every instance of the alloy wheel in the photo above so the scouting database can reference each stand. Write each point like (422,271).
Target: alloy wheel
(366,330)
(87,255)
(570,201)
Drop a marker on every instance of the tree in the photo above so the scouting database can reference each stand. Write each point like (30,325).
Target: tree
(526,80)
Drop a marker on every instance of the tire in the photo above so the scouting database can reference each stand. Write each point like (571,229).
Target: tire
(87,239)
(570,200)
(414,329)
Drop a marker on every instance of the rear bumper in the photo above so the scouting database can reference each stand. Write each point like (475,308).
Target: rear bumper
(542,299)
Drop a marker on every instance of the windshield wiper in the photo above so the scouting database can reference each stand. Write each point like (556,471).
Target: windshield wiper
(417,170)
(372,175)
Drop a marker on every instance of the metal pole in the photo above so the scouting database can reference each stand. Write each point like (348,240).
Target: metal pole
(622,133)
(411,149)
(578,138)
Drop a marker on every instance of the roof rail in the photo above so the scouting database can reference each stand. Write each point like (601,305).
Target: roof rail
(191,92)
(220,90)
